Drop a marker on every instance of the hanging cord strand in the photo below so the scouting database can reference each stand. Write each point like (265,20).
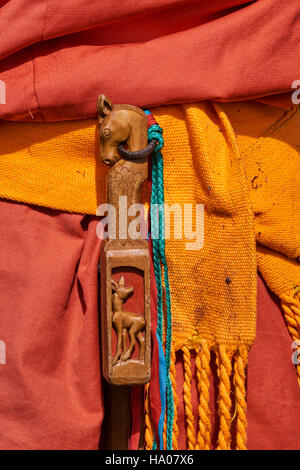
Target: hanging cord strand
(155,245)
(156,261)
(157,199)
(187,398)
(170,400)
(202,363)
(224,400)
(239,380)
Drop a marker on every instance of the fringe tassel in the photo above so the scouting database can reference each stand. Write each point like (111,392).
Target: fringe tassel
(231,370)
(224,401)
(291,310)
(191,435)
(202,363)
(239,381)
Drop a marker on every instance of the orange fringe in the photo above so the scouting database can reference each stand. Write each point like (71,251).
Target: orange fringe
(224,400)
(224,359)
(202,363)
(191,437)
(239,381)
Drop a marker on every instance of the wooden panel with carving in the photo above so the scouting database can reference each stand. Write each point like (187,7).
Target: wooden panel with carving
(125,307)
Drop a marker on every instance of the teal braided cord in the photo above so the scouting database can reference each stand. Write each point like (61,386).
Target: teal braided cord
(156,257)
(155,132)
(157,197)
(162,252)
(156,262)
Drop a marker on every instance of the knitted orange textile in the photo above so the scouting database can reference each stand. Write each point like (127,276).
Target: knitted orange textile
(241,162)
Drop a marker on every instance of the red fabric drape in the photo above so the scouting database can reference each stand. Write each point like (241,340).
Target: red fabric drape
(50,388)
(56,57)
(51,392)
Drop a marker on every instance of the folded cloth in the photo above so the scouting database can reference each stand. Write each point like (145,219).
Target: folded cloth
(59,55)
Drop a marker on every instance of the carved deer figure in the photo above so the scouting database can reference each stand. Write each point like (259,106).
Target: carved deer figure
(126,323)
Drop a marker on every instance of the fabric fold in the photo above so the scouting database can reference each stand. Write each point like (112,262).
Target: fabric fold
(66,61)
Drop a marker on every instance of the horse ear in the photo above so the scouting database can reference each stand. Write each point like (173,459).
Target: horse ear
(104,107)
(122,282)
(113,285)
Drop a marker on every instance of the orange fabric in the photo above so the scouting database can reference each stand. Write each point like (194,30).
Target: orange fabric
(199,141)
(242,162)
(59,55)
(224,154)
(60,161)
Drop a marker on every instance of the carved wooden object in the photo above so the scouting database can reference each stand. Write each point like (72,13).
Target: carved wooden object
(126,323)
(124,262)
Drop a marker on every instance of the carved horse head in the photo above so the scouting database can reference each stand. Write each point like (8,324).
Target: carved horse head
(122,126)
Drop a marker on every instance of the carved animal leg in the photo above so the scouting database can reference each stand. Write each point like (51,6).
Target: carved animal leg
(142,344)
(130,350)
(118,326)
(136,327)
(124,339)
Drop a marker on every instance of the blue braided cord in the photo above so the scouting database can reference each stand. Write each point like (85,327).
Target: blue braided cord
(162,391)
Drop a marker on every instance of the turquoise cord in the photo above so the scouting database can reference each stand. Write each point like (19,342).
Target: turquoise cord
(159,260)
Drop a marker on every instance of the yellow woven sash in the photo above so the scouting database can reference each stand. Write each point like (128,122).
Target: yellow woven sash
(52,165)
